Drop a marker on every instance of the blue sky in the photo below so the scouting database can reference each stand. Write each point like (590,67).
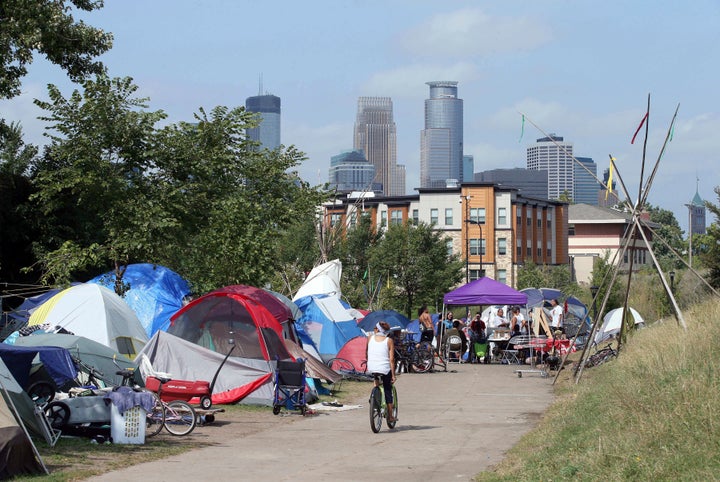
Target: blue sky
(581,69)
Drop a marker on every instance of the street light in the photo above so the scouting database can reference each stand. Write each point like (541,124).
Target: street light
(672,281)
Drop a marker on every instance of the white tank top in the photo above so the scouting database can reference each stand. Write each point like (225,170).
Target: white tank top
(378,356)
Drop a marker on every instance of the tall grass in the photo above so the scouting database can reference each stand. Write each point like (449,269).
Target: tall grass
(654,413)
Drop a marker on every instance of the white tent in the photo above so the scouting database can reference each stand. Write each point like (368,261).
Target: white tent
(612,322)
(322,280)
(95,312)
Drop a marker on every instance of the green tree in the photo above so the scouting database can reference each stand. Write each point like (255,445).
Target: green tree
(532,275)
(669,230)
(711,256)
(48,27)
(97,206)
(360,283)
(601,278)
(417,264)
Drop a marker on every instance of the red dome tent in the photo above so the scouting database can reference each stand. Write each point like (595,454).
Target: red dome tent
(239,316)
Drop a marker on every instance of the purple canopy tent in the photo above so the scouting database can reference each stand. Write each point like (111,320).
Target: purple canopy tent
(484,291)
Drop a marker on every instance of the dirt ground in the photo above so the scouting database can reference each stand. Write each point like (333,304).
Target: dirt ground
(452,426)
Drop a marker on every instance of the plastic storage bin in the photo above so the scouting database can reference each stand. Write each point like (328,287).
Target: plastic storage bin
(129,427)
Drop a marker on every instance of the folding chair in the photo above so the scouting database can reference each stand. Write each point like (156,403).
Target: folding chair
(453,349)
(509,354)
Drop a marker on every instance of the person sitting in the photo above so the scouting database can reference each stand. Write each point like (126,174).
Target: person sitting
(456,331)
(477,335)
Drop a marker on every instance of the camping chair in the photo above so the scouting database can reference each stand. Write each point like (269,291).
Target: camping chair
(290,386)
(509,354)
(453,349)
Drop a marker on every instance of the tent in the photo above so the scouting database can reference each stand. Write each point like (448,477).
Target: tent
(247,380)
(326,324)
(393,318)
(576,312)
(155,293)
(355,351)
(277,308)
(18,455)
(612,322)
(313,367)
(102,358)
(95,312)
(56,361)
(484,291)
(322,280)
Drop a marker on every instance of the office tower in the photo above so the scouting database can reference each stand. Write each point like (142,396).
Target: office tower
(696,215)
(555,156)
(441,142)
(397,185)
(350,171)
(468,167)
(531,184)
(267,133)
(376,136)
(605,198)
(586,186)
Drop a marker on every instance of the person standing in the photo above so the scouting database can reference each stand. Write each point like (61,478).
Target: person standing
(428,332)
(477,335)
(380,355)
(556,313)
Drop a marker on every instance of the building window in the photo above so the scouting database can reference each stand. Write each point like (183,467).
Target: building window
(539,223)
(477,215)
(383,218)
(396,217)
(539,250)
(571,230)
(502,247)
(335,219)
(449,246)
(502,216)
(502,276)
(529,222)
(433,216)
(474,246)
(549,249)
(549,223)
(353,219)
(476,274)
(448,216)
(519,251)
(549,219)
(416,217)
(518,221)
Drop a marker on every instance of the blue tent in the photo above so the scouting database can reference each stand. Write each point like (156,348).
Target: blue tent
(393,318)
(326,324)
(156,293)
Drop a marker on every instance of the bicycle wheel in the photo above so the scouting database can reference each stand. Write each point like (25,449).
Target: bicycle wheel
(58,414)
(179,418)
(375,404)
(41,393)
(155,418)
(395,409)
(422,360)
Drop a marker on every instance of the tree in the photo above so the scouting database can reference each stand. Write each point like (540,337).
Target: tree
(48,27)
(669,230)
(601,278)
(711,256)
(98,207)
(418,267)
(532,275)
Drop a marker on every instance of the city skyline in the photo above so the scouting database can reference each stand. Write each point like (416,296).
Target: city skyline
(511,58)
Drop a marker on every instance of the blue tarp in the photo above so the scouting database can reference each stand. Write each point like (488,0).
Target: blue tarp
(57,361)
(156,293)
(393,318)
(326,322)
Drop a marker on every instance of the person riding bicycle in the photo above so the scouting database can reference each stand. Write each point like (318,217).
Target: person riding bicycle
(380,356)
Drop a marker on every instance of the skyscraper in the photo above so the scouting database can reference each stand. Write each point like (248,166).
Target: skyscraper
(267,133)
(350,171)
(376,136)
(555,156)
(441,142)
(586,186)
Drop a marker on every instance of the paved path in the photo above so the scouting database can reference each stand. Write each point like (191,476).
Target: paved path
(451,426)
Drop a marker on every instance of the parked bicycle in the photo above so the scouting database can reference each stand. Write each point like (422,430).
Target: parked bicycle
(177,416)
(411,356)
(601,356)
(378,407)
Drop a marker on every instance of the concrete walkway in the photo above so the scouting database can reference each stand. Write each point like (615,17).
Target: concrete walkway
(451,426)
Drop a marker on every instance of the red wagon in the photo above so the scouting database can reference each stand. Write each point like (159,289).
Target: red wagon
(171,389)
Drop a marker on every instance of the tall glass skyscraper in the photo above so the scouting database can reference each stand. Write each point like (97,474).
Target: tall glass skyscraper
(376,136)
(555,156)
(350,171)
(586,186)
(267,133)
(441,142)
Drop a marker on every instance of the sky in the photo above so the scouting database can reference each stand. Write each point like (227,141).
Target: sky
(579,69)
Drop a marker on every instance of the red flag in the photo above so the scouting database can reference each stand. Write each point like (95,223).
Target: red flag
(639,127)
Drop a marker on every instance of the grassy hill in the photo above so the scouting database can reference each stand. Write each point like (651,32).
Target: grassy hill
(653,413)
